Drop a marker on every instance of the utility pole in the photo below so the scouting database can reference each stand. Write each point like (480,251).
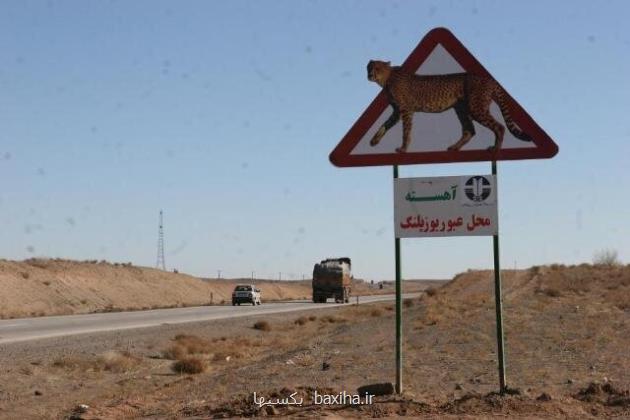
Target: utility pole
(219,274)
(253,275)
(161,263)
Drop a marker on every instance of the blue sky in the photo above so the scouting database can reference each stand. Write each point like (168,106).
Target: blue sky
(223,114)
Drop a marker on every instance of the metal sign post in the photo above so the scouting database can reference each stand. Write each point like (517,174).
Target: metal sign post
(464,205)
(442,206)
(398,309)
(497,298)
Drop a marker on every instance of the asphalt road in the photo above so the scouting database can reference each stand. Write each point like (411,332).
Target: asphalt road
(23,329)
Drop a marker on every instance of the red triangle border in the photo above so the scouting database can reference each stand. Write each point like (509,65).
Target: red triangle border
(340,156)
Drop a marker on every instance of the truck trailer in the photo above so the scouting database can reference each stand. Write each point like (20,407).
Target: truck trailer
(332,278)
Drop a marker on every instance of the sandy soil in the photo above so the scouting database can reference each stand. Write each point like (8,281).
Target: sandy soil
(567,340)
(39,287)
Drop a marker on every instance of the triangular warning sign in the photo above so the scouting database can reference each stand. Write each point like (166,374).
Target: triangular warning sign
(452,108)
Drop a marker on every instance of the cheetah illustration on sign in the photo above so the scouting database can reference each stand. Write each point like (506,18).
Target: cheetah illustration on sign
(441,105)
(469,95)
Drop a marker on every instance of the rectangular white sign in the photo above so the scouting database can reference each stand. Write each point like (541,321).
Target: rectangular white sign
(445,206)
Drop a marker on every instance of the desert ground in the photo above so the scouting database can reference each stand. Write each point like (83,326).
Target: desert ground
(567,331)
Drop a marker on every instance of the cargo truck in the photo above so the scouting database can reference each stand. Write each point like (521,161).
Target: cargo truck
(332,278)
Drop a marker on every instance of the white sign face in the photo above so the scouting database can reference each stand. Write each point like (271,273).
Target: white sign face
(433,132)
(445,206)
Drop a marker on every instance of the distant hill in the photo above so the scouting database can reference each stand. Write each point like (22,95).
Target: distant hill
(39,287)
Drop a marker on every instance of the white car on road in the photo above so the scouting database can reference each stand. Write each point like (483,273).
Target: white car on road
(246,293)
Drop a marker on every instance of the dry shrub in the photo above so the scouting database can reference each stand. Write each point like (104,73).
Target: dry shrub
(262,326)
(113,361)
(186,344)
(431,291)
(193,344)
(222,348)
(280,342)
(72,362)
(605,394)
(552,292)
(25,275)
(222,355)
(243,341)
(304,359)
(226,355)
(235,348)
(408,303)
(301,320)
(62,361)
(312,318)
(174,352)
(332,319)
(376,312)
(190,365)
(606,257)
(119,362)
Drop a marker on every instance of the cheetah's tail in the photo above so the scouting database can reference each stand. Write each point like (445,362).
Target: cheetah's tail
(516,131)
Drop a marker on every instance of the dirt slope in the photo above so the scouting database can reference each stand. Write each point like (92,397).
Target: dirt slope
(39,287)
(604,284)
